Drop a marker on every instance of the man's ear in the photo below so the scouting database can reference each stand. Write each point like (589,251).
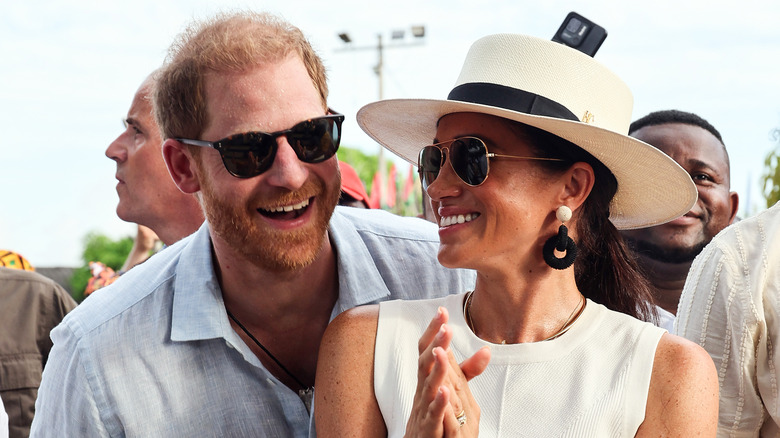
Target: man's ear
(578,183)
(734,203)
(181,165)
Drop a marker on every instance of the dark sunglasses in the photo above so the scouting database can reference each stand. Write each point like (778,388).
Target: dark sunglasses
(252,153)
(468,157)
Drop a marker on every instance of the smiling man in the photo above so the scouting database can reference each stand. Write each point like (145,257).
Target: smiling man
(665,252)
(219,334)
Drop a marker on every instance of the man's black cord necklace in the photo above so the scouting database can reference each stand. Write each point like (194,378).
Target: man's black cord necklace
(262,347)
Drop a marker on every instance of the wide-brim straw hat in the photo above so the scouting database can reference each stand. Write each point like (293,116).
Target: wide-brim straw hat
(560,90)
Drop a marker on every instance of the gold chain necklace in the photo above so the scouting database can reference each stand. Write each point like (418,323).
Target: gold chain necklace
(575,314)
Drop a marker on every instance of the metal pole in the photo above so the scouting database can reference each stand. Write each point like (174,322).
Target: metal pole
(381,158)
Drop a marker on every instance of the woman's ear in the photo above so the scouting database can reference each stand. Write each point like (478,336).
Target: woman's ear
(181,165)
(578,182)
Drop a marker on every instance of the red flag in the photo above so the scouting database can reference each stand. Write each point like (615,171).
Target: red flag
(409,184)
(376,192)
(391,187)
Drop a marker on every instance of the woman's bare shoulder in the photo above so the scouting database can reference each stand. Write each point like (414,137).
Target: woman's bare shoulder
(683,397)
(675,353)
(357,321)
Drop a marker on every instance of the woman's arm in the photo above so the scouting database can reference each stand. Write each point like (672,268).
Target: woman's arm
(345,404)
(683,397)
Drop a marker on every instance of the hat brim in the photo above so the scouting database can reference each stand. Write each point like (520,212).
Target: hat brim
(652,187)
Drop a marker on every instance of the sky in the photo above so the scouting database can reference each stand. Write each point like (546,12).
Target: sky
(69,69)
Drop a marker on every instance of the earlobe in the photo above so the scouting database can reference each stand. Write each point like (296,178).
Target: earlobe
(579,181)
(181,166)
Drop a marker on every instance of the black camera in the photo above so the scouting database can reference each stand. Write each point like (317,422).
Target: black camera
(580,33)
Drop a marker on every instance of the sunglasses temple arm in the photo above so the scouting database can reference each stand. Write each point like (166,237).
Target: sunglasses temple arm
(492,155)
(202,143)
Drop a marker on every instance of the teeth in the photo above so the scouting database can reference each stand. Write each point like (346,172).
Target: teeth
(459,219)
(289,208)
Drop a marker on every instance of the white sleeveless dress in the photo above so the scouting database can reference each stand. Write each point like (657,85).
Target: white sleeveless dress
(591,382)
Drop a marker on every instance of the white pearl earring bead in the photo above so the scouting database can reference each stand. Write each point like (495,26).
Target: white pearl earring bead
(563,214)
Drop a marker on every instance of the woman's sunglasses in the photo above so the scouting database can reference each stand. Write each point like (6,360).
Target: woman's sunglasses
(250,154)
(468,157)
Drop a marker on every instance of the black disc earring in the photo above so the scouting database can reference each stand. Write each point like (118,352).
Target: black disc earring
(561,242)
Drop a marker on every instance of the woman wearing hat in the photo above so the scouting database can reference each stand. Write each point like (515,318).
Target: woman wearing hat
(530,175)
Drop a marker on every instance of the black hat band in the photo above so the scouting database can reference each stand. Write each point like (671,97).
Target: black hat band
(509,98)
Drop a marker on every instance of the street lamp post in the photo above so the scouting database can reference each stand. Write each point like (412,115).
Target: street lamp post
(418,33)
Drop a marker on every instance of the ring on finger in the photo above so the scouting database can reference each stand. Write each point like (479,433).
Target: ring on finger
(461,417)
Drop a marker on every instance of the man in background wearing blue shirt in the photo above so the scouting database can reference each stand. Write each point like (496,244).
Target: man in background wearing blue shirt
(218,334)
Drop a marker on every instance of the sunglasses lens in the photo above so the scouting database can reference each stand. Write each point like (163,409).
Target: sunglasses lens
(429,165)
(248,155)
(316,140)
(469,160)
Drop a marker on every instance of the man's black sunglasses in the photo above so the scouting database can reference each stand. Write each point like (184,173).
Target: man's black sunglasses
(252,153)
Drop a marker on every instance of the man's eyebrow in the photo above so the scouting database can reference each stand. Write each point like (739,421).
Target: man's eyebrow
(131,122)
(702,164)
(710,167)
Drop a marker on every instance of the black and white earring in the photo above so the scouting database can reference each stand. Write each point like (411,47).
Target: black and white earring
(561,242)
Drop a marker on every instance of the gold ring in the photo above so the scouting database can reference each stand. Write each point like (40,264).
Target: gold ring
(461,417)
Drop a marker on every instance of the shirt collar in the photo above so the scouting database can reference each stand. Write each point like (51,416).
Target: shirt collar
(360,282)
(198,308)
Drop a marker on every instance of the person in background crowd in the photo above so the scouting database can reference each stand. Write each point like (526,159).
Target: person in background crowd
(218,334)
(665,252)
(730,306)
(147,194)
(31,305)
(353,192)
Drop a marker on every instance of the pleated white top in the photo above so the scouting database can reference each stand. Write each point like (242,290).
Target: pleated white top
(730,306)
(591,382)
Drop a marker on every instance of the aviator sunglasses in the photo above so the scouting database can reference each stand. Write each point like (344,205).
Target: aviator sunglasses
(468,157)
(252,153)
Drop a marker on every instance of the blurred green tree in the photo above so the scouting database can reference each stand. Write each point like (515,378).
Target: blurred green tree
(99,248)
(770,180)
(365,165)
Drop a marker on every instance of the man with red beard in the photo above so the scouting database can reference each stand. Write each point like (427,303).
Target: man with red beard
(665,252)
(219,334)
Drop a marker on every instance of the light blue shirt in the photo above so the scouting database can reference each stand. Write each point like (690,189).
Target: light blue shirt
(154,353)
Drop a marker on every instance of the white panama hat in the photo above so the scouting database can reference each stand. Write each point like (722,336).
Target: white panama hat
(557,89)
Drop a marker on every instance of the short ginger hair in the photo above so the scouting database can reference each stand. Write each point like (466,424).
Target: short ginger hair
(225,43)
